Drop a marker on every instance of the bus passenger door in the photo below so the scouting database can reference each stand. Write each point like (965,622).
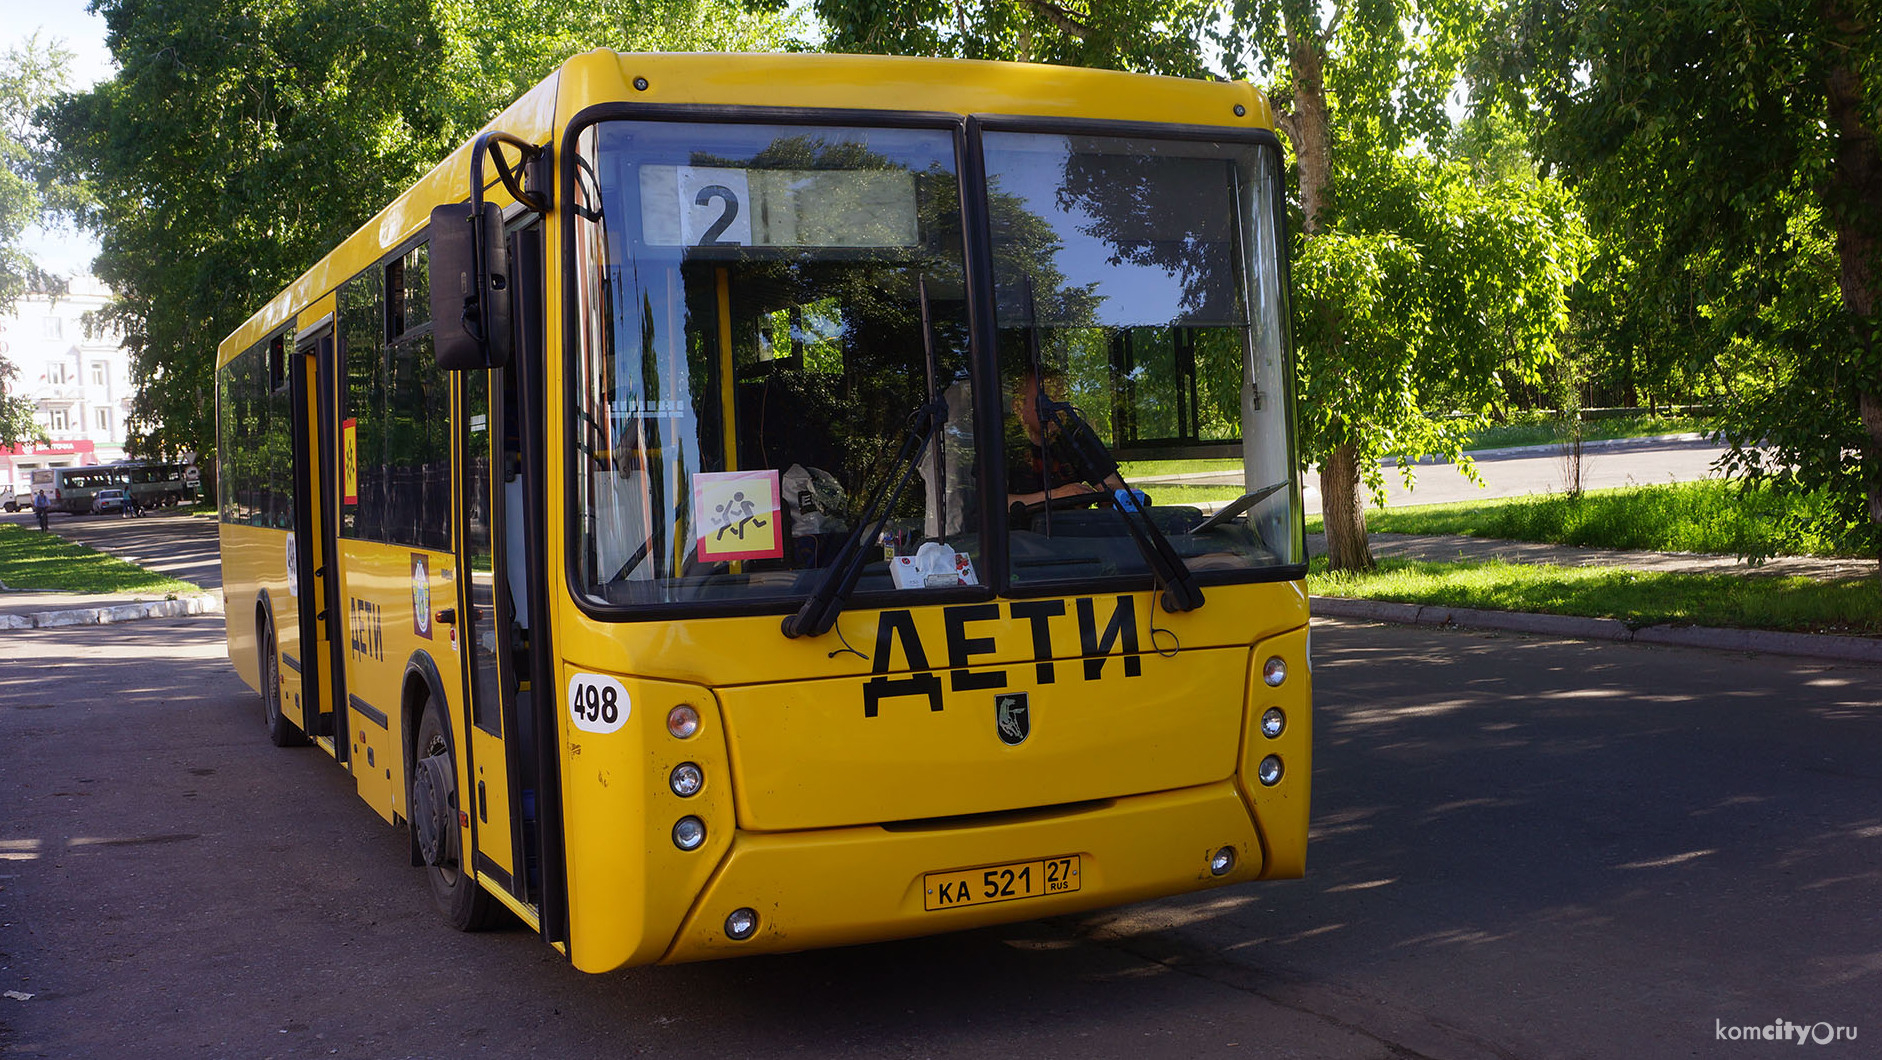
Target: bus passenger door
(311,390)
(513,810)
(486,625)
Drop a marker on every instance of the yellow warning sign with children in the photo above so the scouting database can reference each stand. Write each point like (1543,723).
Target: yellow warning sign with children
(736,515)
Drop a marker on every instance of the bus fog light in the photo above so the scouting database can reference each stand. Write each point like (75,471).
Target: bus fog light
(689,832)
(686,780)
(1272,722)
(741,925)
(1222,862)
(1274,671)
(1269,771)
(682,721)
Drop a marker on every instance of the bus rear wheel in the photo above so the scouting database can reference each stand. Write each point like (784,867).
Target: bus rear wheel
(436,833)
(281,731)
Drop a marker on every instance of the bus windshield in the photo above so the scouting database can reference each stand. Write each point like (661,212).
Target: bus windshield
(765,310)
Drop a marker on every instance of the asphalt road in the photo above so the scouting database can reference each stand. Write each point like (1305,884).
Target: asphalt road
(1523,848)
(1637,462)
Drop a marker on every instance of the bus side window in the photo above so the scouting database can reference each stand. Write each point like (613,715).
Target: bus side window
(515,567)
(515,558)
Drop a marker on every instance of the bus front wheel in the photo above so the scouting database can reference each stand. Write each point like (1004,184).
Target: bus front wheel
(436,832)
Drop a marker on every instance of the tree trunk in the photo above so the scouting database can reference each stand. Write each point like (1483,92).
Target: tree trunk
(1343,509)
(1306,54)
(1342,506)
(1855,187)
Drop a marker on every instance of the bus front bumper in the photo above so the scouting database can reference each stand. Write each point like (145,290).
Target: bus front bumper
(842,886)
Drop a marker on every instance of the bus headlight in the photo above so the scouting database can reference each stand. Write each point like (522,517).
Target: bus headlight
(741,924)
(1274,671)
(1222,862)
(1272,722)
(689,832)
(682,721)
(1269,771)
(686,780)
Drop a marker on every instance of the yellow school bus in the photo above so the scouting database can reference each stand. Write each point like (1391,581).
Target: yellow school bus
(707,510)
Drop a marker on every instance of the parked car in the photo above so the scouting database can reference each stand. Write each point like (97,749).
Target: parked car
(8,499)
(111,500)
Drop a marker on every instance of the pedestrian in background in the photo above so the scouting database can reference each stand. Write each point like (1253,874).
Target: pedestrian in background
(42,509)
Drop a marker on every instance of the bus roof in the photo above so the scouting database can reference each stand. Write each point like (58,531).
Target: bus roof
(775,80)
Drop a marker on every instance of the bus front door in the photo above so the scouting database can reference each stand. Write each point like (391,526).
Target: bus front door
(489,631)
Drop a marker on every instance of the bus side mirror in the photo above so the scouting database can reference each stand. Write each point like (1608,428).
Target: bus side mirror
(470,287)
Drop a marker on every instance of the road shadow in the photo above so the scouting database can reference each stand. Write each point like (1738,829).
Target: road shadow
(1521,847)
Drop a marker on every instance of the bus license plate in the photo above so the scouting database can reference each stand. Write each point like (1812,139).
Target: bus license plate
(1001,883)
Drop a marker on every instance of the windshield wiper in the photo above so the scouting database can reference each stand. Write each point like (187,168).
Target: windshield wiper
(819,612)
(1240,505)
(1099,469)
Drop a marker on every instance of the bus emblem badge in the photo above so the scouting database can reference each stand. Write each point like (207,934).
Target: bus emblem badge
(1012,718)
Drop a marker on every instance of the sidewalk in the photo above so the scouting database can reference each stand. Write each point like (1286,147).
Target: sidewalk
(184,547)
(1444,548)
(1447,547)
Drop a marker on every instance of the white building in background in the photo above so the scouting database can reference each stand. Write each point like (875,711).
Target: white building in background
(80,383)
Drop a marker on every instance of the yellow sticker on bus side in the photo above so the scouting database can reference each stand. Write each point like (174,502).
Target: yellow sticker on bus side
(349,462)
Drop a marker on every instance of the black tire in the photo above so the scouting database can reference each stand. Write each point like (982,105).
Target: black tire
(281,731)
(433,803)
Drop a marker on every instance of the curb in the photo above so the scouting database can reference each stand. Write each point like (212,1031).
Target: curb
(1807,645)
(205,604)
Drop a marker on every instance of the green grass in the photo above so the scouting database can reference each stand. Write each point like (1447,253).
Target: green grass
(1713,517)
(1161,494)
(1136,469)
(1802,605)
(47,562)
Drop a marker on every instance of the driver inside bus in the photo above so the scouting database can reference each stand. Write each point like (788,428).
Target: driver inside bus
(1039,457)
(1039,462)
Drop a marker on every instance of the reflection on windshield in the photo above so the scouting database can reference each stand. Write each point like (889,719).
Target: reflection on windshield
(762,309)
(1137,280)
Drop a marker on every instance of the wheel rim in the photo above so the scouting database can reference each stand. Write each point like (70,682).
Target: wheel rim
(270,678)
(437,748)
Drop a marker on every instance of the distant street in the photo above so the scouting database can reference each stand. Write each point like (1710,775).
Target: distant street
(1523,848)
(1518,472)
(185,547)
(1642,462)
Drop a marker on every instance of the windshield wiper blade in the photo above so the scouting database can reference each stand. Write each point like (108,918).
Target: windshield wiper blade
(1240,505)
(1099,469)
(818,614)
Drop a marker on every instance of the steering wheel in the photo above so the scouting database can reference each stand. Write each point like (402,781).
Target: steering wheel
(1021,515)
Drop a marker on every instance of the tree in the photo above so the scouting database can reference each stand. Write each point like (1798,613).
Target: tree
(239,142)
(1754,128)
(1427,280)
(1419,283)
(1413,311)
(28,76)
